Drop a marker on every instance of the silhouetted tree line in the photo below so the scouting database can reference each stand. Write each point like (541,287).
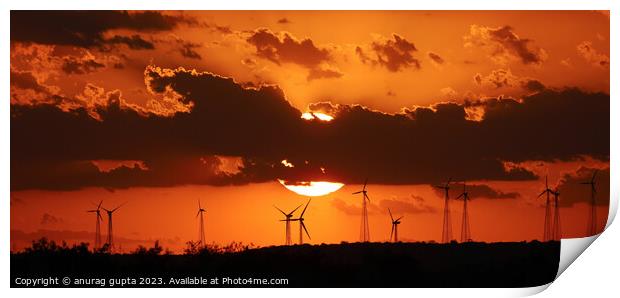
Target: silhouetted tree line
(43,246)
(472,264)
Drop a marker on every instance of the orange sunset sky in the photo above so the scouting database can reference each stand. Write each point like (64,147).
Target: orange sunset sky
(161,108)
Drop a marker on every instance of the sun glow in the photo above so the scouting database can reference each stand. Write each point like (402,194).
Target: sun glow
(316,115)
(312,188)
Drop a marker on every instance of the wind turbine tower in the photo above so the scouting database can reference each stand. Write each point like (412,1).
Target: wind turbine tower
(465,230)
(288,220)
(201,229)
(557,228)
(446,233)
(395,223)
(364,230)
(99,218)
(110,234)
(592,221)
(548,229)
(302,225)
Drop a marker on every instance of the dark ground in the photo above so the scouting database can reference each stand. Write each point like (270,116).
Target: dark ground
(517,264)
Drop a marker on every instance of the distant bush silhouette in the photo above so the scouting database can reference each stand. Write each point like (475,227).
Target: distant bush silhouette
(153,251)
(44,246)
(104,249)
(195,248)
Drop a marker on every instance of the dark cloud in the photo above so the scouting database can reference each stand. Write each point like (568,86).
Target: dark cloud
(503,42)
(501,78)
(26,80)
(134,42)
(398,206)
(85,28)
(318,73)
(187,50)
(284,48)
(591,55)
(533,85)
(436,58)
(572,191)
(80,65)
(72,175)
(414,205)
(249,62)
(348,209)
(416,146)
(223,29)
(48,219)
(284,21)
(477,191)
(27,88)
(394,54)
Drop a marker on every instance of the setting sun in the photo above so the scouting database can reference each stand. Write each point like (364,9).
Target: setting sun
(315,115)
(312,188)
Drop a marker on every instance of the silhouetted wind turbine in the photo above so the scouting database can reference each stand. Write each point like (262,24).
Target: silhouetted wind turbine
(110,234)
(395,224)
(97,225)
(302,225)
(446,233)
(557,228)
(548,229)
(592,221)
(288,223)
(465,230)
(364,230)
(201,229)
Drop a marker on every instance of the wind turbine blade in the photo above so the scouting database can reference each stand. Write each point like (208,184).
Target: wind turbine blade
(367,197)
(594,176)
(357,192)
(542,193)
(197,213)
(390,211)
(304,226)
(294,210)
(121,205)
(304,211)
(99,206)
(279,210)
(400,218)
(546,183)
(365,182)
(460,196)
